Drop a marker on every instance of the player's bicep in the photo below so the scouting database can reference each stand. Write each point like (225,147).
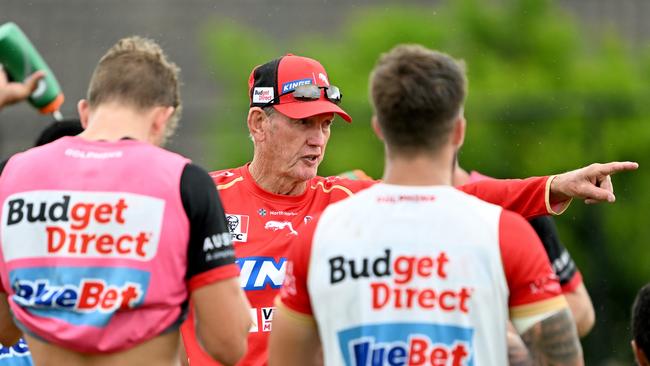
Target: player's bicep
(294,340)
(554,340)
(534,289)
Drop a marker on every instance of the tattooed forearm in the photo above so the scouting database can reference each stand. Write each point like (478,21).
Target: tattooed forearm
(517,352)
(554,341)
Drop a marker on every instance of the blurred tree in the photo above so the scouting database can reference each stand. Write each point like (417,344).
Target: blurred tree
(543,98)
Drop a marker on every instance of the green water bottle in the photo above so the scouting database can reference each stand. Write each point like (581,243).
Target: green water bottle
(20,59)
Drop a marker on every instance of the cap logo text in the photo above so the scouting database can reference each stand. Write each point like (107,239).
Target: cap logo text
(291,85)
(263,95)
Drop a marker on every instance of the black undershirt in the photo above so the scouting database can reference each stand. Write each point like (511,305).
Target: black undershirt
(561,261)
(207,219)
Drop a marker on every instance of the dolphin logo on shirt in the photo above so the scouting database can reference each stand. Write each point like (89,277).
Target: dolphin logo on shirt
(279,225)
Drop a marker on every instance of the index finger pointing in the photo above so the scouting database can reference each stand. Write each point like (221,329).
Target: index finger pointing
(617,166)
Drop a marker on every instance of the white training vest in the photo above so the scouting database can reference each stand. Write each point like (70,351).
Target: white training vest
(409,276)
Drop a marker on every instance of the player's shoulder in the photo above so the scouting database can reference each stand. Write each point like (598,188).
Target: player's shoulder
(515,230)
(338,184)
(21,162)
(226,177)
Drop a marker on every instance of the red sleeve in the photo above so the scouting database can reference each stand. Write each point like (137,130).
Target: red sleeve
(568,287)
(213,275)
(528,272)
(294,294)
(526,197)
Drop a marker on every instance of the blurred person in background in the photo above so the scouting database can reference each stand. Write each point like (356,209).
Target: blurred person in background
(273,198)
(58,129)
(368,290)
(106,236)
(641,326)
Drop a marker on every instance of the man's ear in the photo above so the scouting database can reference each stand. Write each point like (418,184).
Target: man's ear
(640,356)
(161,116)
(375,127)
(458,133)
(83,108)
(256,121)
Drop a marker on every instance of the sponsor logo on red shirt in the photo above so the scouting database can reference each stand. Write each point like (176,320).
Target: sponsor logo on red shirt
(238,227)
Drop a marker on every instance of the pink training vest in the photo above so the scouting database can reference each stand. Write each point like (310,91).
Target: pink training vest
(93,242)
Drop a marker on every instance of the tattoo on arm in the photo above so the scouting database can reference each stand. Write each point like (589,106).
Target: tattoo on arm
(554,341)
(517,352)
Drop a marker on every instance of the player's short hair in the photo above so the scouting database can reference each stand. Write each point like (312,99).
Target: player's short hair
(417,93)
(641,319)
(137,73)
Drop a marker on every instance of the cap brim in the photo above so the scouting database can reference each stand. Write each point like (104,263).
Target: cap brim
(300,110)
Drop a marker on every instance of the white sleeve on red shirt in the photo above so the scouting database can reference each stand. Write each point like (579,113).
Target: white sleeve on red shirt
(535,291)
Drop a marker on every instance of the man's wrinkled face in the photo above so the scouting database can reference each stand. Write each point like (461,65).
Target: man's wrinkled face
(297,146)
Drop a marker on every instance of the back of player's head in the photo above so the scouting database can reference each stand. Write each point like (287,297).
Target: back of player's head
(417,93)
(56,130)
(137,73)
(641,320)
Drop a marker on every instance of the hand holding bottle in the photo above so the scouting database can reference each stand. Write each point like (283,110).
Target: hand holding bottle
(14,92)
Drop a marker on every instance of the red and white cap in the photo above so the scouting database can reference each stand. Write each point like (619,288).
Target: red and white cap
(283,75)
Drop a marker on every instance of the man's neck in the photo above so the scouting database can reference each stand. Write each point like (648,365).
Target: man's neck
(112,122)
(419,170)
(460,177)
(268,179)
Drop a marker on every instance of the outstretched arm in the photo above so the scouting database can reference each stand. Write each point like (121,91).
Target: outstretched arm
(539,196)
(592,183)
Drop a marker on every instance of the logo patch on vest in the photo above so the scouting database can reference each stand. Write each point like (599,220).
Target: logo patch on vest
(78,295)
(81,225)
(407,344)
